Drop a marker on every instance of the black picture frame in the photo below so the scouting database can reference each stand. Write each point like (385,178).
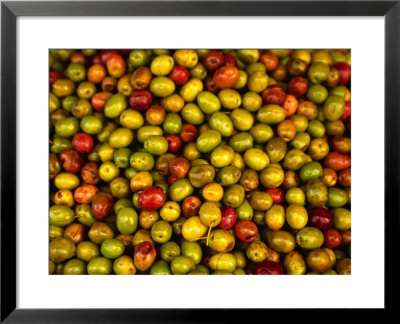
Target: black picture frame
(10,10)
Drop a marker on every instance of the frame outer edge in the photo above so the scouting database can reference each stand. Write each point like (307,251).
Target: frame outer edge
(8,162)
(392,146)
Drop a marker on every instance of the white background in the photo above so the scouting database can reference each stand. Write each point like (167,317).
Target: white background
(364,288)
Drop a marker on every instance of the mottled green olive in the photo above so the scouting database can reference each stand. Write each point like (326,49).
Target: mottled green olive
(115,105)
(180,189)
(156,145)
(222,156)
(233,196)
(200,175)
(87,250)
(258,81)
(99,266)
(294,263)
(229,175)
(333,107)
(172,123)
(74,267)
(142,161)
(310,238)
(261,133)
(121,137)
(192,114)
(221,240)
(61,249)
(229,98)
(208,140)
(208,102)
(222,123)
(182,265)
(127,220)
(318,72)
(256,159)
(112,248)
(160,267)
(257,251)
(271,114)
(162,65)
(296,216)
(316,193)
(281,241)
(294,160)
(341,219)
(161,231)
(61,215)
(91,125)
(124,265)
(191,89)
(242,119)
(162,86)
(169,250)
(223,261)
(144,132)
(67,127)
(192,250)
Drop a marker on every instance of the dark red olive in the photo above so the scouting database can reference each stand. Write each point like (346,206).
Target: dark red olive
(297,86)
(191,206)
(152,198)
(274,94)
(344,72)
(99,100)
(125,52)
(71,160)
(347,111)
(332,238)
(230,60)
(246,231)
(179,167)
(267,268)
(277,194)
(96,59)
(54,76)
(174,143)
(90,173)
(171,180)
(321,218)
(213,60)
(228,218)
(346,238)
(140,99)
(83,142)
(179,75)
(85,194)
(189,132)
(102,205)
(210,84)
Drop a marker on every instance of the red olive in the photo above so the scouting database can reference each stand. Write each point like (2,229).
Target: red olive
(332,238)
(269,59)
(179,167)
(277,194)
(189,132)
(228,218)
(297,86)
(246,231)
(338,161)
(102,205)
(230,60)
(83,142)
(90,173)
(174,143)
(99,100)
(210,84)
(140,99)
(191,206)
(144,255)
(105,54)
(54,76)
(274,94)
(213,60)
(116,66)
(347,111)
(226,76)
(71,160)
(345,177)
(346,238)
(344,72)
(267,268)
(85,194)
(321,218)
(179,75)
(151,198)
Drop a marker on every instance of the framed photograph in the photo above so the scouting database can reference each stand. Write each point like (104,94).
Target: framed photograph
(149,146)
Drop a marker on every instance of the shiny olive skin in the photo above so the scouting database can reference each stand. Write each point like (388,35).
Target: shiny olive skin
(169,250)
(61,249)
(281,241)
(310,238)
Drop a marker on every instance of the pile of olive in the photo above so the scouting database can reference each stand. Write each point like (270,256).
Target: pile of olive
(200,161)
